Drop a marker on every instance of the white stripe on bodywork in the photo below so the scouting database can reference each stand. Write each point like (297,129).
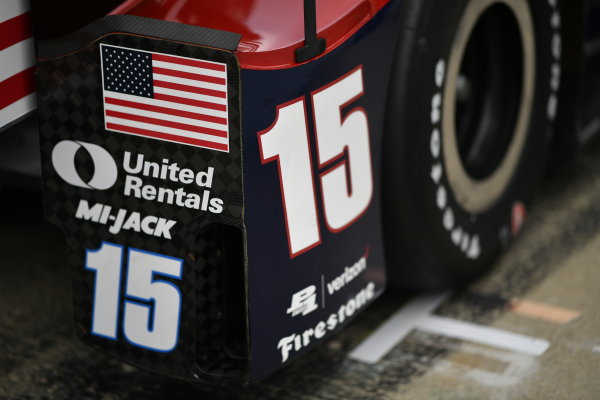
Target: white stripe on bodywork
(17,109)
(12,8)
(16,58)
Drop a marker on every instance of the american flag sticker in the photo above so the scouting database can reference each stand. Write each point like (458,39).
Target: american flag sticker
(165,97)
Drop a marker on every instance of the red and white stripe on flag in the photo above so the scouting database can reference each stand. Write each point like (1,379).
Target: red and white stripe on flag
(17,61)
(165,97)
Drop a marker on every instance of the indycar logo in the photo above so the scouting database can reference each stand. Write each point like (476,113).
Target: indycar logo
(105,168)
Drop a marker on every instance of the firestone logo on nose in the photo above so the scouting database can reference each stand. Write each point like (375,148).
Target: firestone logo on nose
(105,168)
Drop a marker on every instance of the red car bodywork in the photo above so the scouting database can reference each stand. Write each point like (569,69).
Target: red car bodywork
(271,29)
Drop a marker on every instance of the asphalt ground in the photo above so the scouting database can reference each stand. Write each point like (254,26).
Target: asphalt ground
(547,287)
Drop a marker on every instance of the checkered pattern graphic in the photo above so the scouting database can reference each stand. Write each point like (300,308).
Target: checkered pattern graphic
(70,107)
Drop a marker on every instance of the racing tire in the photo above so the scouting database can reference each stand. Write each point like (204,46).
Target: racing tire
(471,106)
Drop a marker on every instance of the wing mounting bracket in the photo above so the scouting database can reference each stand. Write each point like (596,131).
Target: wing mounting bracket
(313,45)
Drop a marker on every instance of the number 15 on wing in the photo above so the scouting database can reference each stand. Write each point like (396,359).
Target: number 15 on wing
(151,304)
(343,155)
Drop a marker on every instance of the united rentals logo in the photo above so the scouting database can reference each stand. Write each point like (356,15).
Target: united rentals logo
(143,179)
(105,168)
(136,167)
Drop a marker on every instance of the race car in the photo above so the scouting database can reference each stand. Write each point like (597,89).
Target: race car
(236,181)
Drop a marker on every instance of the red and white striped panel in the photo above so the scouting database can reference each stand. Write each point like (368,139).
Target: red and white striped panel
(17,61)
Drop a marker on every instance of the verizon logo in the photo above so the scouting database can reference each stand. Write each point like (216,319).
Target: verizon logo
(349,274)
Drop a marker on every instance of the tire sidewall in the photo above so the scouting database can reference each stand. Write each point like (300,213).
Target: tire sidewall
(446,254)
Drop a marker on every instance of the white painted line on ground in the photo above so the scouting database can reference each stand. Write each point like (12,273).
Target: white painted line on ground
(418,315)
(396,328)
(484,335)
